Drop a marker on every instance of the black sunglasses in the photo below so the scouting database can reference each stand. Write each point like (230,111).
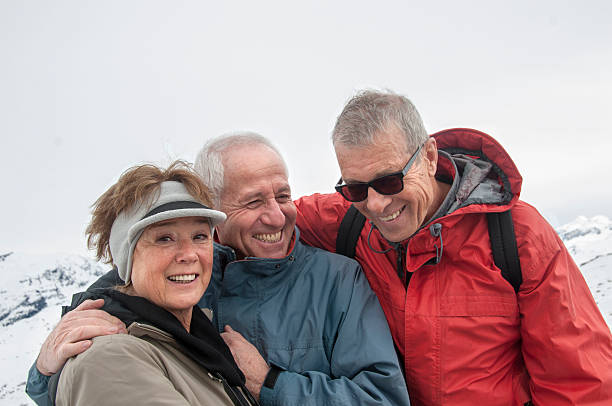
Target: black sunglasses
(385,185)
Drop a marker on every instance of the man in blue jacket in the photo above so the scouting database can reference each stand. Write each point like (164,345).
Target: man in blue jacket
(303,324)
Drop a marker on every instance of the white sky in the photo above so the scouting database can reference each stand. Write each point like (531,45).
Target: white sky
(90,88)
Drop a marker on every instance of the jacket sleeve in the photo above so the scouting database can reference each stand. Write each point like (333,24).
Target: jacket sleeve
(116,370)
(566,344)
(319,217)
(364,368)
(37,386)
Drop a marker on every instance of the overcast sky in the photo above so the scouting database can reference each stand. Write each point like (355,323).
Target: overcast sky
(90,88)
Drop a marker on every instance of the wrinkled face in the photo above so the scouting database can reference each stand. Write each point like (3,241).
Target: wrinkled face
(397,216)
(257,201)
(172,263)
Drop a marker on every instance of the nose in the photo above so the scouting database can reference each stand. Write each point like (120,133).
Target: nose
(375,202)
(273,216)
(186,252)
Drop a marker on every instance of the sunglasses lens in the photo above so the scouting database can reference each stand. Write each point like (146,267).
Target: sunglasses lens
(388,185)
(355,193)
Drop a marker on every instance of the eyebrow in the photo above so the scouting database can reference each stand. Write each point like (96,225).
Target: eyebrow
(258,195)
(284,189)
(251,196)
(376,176)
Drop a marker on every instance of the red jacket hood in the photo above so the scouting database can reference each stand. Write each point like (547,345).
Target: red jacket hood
(478,144)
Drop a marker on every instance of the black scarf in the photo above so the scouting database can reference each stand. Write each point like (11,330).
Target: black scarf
(203,344)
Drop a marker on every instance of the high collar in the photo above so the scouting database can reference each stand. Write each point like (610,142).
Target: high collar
(256,265)
(476,144)
(234,252)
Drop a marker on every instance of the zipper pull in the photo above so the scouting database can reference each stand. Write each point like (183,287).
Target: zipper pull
(436,231)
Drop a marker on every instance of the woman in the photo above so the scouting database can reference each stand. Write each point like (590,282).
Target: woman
(156,227)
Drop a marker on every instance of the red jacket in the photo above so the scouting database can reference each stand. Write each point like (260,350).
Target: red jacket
(465,336)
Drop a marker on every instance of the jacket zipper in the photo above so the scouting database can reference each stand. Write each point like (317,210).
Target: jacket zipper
(405,276)
(401,265)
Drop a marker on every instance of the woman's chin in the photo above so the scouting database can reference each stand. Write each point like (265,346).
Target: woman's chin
(183,302)
(180,300)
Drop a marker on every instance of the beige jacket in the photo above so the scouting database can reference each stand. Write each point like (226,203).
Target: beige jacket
(144,367)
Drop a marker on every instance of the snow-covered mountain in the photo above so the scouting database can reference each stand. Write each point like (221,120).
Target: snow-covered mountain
(590,243)
(33,290)
(35,286)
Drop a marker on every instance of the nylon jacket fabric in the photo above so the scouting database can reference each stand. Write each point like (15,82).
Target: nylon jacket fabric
(144,367)
(464,335)
(313,315)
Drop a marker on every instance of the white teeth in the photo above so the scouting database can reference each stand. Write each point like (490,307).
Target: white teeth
(182,278)
(268,237)
(392,216)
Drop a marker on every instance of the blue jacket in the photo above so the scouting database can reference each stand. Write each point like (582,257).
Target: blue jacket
(314,315)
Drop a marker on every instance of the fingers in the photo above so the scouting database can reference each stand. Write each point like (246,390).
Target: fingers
(248,359)
(230,342)
(87,332)
(227,337)
(72,349)
(232,339)
(90,304)
(79,313)
(230,332)
(91,309)
(50,361)
(76,318)
(65,342)
(73,333)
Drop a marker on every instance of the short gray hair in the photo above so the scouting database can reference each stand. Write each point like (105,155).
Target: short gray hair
(209,161)
(370,112)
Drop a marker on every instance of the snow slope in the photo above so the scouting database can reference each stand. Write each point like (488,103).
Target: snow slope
(590,243)
(33,290)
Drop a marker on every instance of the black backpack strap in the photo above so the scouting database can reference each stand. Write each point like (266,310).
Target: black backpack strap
(503,245)
(501,234)
(349,231)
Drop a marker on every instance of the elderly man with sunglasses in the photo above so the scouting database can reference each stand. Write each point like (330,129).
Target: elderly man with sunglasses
(464,335)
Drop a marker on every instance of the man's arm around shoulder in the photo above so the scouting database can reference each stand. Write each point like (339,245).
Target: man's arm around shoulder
(319,217)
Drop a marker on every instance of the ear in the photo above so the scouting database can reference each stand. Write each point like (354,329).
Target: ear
(218,236)
(430,156)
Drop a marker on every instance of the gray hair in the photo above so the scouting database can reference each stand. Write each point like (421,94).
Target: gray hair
(370,112)
(209,161)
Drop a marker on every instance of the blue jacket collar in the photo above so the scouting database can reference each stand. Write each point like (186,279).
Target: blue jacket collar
(225,255)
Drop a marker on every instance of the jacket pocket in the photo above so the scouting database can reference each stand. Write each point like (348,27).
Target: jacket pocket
(475,306)
(305,355)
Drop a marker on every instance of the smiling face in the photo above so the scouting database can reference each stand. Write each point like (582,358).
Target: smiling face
(400,215)
(172,264)
(257,201)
